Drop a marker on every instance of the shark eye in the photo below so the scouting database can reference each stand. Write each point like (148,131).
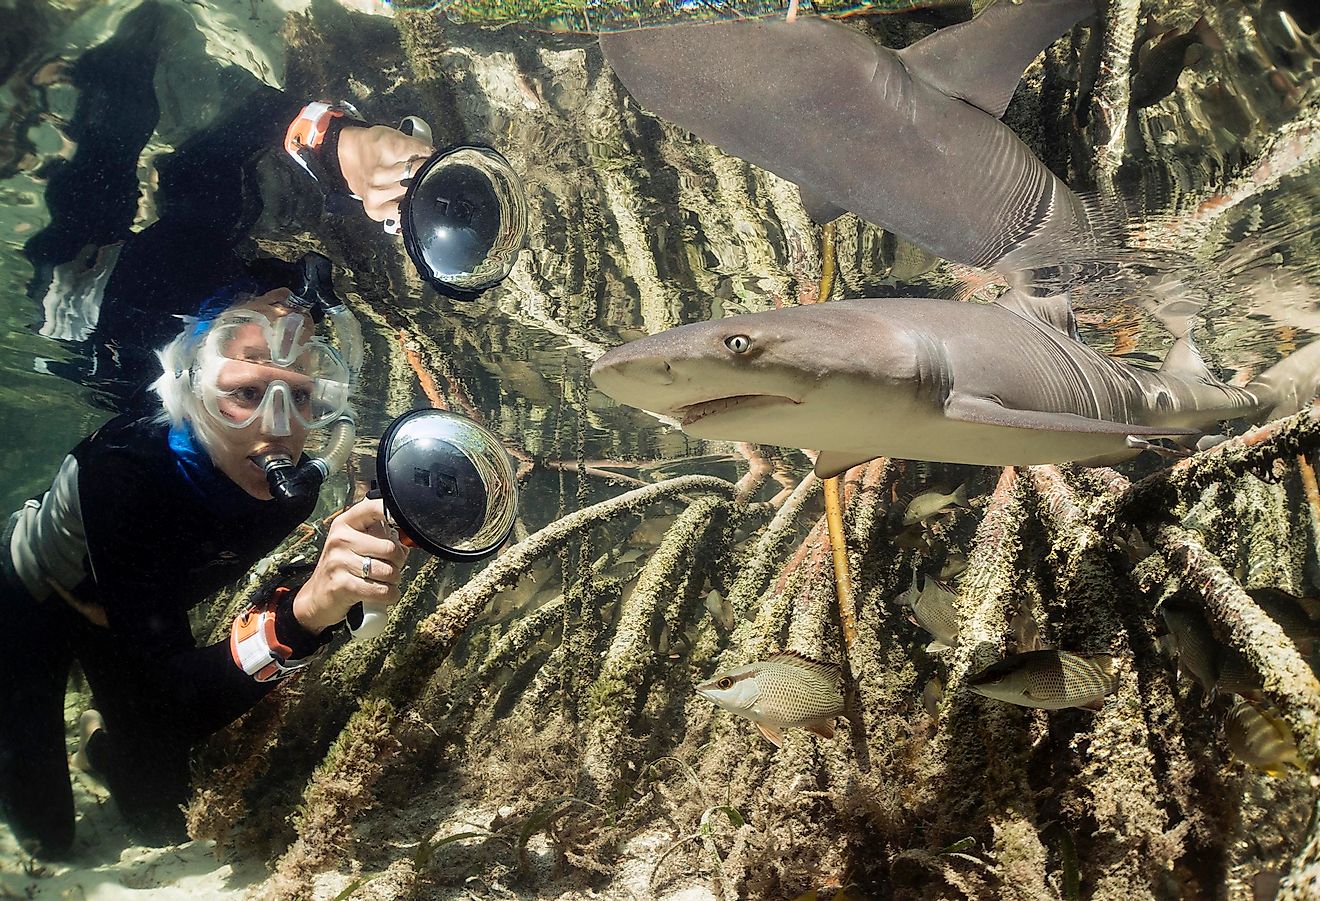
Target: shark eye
(726,683)
(739,344)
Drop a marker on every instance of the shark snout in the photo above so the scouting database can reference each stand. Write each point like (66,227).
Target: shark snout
(639,380)
(649,370)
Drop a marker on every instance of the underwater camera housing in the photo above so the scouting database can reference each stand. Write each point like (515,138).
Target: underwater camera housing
(449,488)
(464,216)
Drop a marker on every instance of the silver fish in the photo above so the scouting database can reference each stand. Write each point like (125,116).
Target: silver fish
(934,611)
(924,506)
(909,260)
(1199,653)
(1192,643)
(954,565)
(787,690)
(1299,617)
(1260,738)
(1025,632)
(933,695)
(1050,680)
(720,609)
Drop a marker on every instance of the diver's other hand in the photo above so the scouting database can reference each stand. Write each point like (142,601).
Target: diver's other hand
(375,162)
(361,561)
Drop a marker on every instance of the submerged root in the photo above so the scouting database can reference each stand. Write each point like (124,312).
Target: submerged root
(676,571)
(1288,681)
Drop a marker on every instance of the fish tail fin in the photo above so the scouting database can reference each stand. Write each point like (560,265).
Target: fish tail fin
(1207,35)
(1289,385)
(960,496)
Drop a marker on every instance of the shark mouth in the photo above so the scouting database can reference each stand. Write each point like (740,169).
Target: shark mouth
(694,413)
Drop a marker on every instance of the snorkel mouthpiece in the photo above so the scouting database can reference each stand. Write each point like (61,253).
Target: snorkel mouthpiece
(288,482)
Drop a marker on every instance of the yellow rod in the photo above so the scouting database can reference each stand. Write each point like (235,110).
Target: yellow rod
(828,262)
(839,545)
(833,488)
(1312,492)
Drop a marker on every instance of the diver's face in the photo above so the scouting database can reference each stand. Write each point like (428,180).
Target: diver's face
(244,380)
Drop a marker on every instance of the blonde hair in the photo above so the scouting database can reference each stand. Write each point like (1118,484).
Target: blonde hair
(179,403)
(179,359)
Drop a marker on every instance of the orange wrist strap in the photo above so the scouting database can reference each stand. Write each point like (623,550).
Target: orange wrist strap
(256,649)
(307,133)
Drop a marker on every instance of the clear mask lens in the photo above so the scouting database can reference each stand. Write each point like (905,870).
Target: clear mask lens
(252,369)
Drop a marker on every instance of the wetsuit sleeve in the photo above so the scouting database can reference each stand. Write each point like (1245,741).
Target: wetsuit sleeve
(146,580)
(207,201)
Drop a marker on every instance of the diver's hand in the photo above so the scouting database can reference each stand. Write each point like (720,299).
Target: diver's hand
(375,161)
(338,582)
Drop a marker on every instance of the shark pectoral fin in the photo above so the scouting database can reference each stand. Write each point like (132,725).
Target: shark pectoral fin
(820,210)
(1142,444)
(985,411)
(823,728)
(831,463)
(774,736)
(982,61)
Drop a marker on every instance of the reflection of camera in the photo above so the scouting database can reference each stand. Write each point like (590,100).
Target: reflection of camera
(464,218)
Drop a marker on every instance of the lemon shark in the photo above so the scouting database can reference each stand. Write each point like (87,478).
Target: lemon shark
(910,140)
(1001,384)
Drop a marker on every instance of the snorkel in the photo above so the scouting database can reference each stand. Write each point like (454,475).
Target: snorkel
(289,481)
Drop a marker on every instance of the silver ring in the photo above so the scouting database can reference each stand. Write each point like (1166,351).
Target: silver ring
(366,568)
(407,169)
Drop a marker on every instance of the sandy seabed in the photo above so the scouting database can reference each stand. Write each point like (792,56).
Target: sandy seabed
(106,865)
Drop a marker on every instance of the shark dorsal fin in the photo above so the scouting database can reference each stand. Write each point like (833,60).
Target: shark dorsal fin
(1056,311)
(982,61)
(1183,359)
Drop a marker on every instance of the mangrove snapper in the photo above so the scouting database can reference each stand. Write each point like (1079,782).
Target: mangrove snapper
(933,609)
(787,690)
(1260,738)
(1050,680)
(931,503)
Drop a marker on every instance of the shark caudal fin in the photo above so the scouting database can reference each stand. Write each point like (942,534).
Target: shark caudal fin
(1289,385)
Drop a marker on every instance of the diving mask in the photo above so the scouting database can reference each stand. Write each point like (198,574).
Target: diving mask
(250,368)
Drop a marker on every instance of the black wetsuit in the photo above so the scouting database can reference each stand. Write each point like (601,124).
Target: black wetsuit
(164,530)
